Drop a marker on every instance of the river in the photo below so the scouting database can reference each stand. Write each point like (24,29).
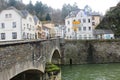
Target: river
(91,72)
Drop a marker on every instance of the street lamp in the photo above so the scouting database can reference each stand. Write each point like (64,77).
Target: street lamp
(75,27)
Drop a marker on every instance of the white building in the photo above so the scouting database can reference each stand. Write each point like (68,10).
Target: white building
(59,31)
(84,28)
(16,25)
(103,34)
(46,32)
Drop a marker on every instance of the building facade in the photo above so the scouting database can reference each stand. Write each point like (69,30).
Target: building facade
(16,25)
(59,31)
(80,24)
(103,34)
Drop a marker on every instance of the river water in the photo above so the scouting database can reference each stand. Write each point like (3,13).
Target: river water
(91,72)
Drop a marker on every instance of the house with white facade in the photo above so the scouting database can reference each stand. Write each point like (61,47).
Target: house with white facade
(103,34)
(46,32)
(59,31)
(16,25)
(79,24)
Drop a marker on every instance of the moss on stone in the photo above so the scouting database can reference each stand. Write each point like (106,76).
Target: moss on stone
(51,67)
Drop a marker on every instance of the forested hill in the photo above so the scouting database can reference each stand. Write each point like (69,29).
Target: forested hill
(112,20)
(42,11)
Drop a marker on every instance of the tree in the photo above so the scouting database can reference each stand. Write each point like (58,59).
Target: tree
(3,5)
(56,16)
(40,10)
(48,18)
(30,7)
(112,20)
(67,8)
(12,3)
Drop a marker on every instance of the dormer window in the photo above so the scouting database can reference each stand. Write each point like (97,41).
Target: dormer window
(10,15)
(6,15)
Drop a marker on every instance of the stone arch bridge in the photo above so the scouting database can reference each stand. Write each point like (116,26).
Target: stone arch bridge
(27,56)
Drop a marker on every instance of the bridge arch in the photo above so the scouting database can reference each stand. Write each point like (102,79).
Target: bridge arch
(18,68)
(32,74)
(55,56)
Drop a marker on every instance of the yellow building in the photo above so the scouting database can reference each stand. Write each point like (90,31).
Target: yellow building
(96,19)
(38,26)
(51,26)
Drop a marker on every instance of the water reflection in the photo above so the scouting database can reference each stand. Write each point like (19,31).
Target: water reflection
(91,72)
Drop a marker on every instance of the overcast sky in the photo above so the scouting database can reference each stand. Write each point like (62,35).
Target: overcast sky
(96,5)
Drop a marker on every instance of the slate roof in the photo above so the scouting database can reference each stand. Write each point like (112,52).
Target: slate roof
(22,13)
(100,31)
(35,19)
(74,13)
(95,14)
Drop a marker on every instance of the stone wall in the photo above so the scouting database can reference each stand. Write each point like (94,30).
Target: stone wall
(94,51)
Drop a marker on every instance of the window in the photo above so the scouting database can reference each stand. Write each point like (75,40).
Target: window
(84,28)
(27,35)
(93,23)
(14,35)
(2,25)
(93,18)
(89,28)
(6,15)
(79,28)
(79,20)
(88,20)
(14,24)
(68,29)
(68,22)
(10,15)
(27,25)
(24,35)
(2,36)
(84,20)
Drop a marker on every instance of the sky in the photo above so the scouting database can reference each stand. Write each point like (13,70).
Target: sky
(97,5)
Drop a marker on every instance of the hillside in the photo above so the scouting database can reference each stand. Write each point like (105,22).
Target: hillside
(112,20)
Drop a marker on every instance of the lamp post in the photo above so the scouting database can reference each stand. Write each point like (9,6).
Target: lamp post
(75,27)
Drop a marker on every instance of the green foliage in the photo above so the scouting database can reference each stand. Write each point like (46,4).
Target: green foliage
(12,2)
(67,8)
(48,18)
(112,20)
(3,5)
(51,67)
(30,8)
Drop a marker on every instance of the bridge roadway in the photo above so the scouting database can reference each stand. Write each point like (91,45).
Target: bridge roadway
(19,56)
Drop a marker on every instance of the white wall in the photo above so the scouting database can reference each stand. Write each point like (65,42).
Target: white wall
(23,25)
(28,27)
(15,17)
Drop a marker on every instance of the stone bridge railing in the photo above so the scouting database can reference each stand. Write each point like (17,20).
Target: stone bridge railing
(15,57)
